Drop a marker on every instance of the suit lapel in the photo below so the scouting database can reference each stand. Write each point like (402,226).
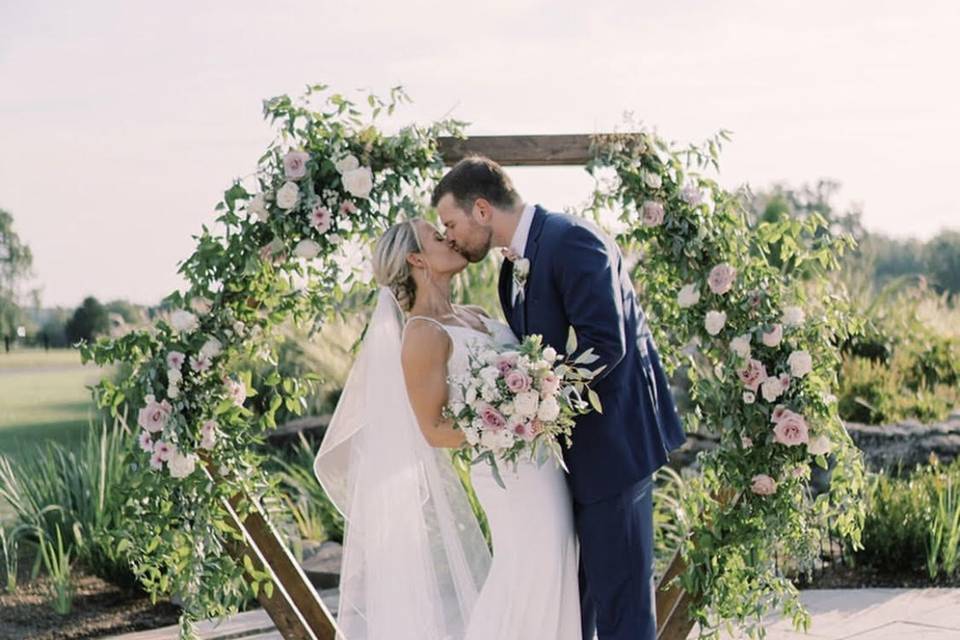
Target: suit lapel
(530,253)
(504,287)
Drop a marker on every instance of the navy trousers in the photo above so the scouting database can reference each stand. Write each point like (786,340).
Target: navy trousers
(617,598)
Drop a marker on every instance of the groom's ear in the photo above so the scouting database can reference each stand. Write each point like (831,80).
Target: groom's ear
(482,211)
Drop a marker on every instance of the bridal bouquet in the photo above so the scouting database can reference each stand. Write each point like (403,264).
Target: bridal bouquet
(519,402)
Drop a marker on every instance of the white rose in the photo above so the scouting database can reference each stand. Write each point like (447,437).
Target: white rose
(306,249)
(714,322)
(173,391)
(201,305)
(773,337)
(527,403)
(211,348)
(181,465)
(793,316)
(490,393)
(741,345)
(521,267)
(689,295)
(457,408)
(505,438)
(347,163)
(550,355)
(471,435)
(748,397)
(489,375)
(183,321)
(771,388)
(800,363)
(819,446)
(358,182)
(470,397)
(174,376)
(258,207)
(489,356)
(507,409)
(549,409)
(652,180)
(491,440)
(288,196)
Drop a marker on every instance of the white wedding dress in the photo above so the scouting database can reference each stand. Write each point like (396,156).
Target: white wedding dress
(531,592)
(415,564)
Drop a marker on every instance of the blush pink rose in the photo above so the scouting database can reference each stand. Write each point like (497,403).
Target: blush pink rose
(721,278)
(154,416)
(753,374)
(175,360)
(652,213)
(550,384)
(773,337)
(763,485)
(506,362)
(518,381)
(791,429)
(523,429)
(347,208)
(785,381)
(777,413)
(295,164)
(320,218)
(492,419)
(163,450)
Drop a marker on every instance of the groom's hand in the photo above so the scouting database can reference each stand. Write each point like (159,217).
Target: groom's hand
(592,298)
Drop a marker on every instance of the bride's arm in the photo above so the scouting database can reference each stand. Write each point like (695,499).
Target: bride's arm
(426,349)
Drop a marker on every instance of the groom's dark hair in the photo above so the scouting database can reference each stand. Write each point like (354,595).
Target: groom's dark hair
(477,177)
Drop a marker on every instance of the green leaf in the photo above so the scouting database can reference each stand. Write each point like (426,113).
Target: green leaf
(594,400)
(571,342)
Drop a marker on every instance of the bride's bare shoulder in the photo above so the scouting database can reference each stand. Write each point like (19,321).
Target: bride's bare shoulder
(424,338)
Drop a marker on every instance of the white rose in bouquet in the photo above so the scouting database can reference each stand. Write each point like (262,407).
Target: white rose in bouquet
(549,409)
(527,404)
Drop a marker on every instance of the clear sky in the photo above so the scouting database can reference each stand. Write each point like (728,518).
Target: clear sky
(122,122)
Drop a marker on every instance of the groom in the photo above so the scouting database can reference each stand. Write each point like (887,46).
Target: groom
(563,272)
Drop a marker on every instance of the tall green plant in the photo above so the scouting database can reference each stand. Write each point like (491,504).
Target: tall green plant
(80,491)
(59,565)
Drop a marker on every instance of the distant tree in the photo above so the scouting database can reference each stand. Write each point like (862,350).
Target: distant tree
(942,261)
(130,312)
(799,202)
(16,262)
(90,320)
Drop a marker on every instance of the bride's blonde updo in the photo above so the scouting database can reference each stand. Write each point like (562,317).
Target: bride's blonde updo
(390,266)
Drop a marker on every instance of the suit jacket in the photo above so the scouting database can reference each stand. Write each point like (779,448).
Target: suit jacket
(578,279)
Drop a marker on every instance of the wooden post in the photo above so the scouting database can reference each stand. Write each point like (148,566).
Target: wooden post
(294,606)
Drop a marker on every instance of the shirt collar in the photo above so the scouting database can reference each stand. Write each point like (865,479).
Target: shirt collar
(519,242)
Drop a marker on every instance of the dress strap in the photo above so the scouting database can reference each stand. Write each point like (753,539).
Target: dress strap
(428,319)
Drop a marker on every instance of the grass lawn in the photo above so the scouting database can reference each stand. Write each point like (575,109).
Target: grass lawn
(43,396)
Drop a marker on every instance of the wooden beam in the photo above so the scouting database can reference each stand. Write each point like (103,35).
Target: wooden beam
(294,606)
(520,151)
(288,576)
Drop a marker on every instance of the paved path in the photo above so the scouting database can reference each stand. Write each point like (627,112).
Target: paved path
(847,614)
(876,614)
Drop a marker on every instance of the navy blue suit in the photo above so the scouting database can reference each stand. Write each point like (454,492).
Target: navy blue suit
(578,279)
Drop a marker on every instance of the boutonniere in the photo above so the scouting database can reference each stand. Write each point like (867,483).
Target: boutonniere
(521,268)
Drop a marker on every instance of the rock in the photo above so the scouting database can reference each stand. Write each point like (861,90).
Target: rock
(885,447)
(322,565)
(905,445)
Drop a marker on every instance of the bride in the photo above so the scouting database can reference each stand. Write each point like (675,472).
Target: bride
(415,564)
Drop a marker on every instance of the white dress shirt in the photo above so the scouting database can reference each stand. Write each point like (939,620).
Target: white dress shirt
(519,242)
